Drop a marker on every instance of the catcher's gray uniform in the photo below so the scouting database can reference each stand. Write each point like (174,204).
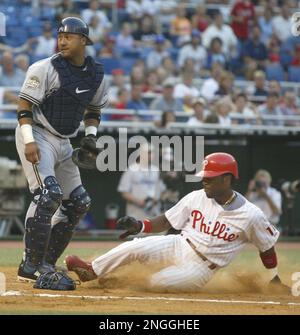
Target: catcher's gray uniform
(56,150)
(57,173)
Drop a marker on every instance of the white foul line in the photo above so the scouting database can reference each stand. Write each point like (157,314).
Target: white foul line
(104,297)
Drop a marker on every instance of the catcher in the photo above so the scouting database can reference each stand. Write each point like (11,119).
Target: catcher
(58,93)
(216,223)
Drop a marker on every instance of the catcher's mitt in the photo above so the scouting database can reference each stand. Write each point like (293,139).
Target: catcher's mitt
(85,157)
(59,281)
(132,226)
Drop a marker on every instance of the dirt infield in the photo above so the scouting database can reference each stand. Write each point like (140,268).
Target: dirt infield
(238,289)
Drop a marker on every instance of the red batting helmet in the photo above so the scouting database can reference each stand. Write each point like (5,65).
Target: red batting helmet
(217,164)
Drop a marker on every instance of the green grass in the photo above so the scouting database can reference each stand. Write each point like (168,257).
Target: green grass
(12,257)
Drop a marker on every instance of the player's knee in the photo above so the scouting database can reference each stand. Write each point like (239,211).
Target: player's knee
(50,196)
(80,200)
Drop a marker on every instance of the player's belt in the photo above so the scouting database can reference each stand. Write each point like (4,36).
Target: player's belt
(43,127)
(211,266)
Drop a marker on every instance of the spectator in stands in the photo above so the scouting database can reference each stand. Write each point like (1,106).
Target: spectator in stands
(254,53)
(259,89)
(223,108)
(121,103)
(265,23)
(167,69)
(212,118)
(138,8)
(125,40)
(296,56)
(93,9)
(224,32)
(242,113)
(166,12)
(282,23)
(194,50)
(145,34)
(108,48)
(289,107)
(22,62)
(242,15)
(65,8)
(271,108)
(274,86)
(151,84)
(117,83)
(189,66)
(274,50)
(140,186)
(46,43)
(136,102)
(166,118)
(225,84)
(181,26)
(188,104)
(97,31)
(215,53)
(186,87)
(155,57)
(200,20)
(265,197)
(211,85)
(199,112)
(138,73)
(123,99)
(10,76)
(167,102)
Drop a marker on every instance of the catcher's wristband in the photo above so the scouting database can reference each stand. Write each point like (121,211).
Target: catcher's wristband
(147,226)
(26,130)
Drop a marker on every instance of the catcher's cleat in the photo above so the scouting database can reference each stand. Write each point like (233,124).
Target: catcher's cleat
(84,270)
(29,272)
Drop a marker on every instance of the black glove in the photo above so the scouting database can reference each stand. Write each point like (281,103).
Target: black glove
(277,283)
(130,224)
(85,157)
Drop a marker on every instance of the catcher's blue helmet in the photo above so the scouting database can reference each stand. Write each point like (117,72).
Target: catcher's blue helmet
(74,25)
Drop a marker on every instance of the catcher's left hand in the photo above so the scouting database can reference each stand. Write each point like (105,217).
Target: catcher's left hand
(85,157)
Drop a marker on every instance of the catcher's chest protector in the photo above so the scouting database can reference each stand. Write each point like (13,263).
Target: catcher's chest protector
(64,108)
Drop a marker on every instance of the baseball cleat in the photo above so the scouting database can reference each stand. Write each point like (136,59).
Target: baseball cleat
(29,272)
(84,270)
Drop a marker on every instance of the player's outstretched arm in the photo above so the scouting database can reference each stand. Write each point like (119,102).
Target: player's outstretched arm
(25,118)
(134,226)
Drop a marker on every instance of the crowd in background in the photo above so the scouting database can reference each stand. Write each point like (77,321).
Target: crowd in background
(171,56)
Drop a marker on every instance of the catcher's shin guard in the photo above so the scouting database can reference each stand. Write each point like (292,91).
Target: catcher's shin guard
(38,227)
(61,234)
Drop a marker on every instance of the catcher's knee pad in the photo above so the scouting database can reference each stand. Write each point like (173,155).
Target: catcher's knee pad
(50,197)
(61,234)
(80,200)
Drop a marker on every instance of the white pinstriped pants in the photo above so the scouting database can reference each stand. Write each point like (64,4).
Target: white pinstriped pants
(186,272)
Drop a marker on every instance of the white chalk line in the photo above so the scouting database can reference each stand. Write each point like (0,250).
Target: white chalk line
(104,297)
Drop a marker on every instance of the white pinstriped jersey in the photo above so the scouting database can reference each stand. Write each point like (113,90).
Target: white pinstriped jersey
(220,232)
(42,79)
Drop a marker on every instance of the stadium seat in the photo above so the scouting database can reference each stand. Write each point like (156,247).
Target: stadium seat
(294,73)
(109,64)
(126,64)
(275,72)
(285,58)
